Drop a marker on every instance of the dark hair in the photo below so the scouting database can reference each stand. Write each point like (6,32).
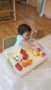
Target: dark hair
(24,28)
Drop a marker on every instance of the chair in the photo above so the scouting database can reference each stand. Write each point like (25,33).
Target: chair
(8,42)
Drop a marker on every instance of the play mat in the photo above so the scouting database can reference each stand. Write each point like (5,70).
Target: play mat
(24,60)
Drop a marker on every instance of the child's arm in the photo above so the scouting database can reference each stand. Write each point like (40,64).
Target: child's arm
(26,44)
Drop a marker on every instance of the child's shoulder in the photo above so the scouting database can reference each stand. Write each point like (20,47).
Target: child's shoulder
(19,37)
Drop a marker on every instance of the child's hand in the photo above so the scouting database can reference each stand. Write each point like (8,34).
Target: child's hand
(32,46)
(26,44)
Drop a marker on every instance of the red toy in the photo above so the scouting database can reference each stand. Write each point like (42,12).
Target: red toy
(22,51)
(39,49)
(43,54)
(19,67)
(25,56)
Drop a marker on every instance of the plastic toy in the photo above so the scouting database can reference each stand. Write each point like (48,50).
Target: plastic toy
(27,63)
(25,56)
(18,66)
(22,51)
(43,54)
(36,53)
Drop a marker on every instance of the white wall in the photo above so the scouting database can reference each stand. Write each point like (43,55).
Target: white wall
(37,3)
(47,11)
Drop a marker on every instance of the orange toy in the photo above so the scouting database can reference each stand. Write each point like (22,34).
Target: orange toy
(25,64)
(28,62)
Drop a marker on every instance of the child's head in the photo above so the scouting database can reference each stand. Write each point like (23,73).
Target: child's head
(25,30)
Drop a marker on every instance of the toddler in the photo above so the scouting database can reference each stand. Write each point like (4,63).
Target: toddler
(24,36)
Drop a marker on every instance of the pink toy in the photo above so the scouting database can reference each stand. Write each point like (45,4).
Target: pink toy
(43,54)
(19,67)
(39,49)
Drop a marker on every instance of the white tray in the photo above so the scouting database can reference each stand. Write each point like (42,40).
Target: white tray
(36,60)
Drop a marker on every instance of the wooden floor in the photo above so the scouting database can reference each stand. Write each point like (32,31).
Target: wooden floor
(25,14)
